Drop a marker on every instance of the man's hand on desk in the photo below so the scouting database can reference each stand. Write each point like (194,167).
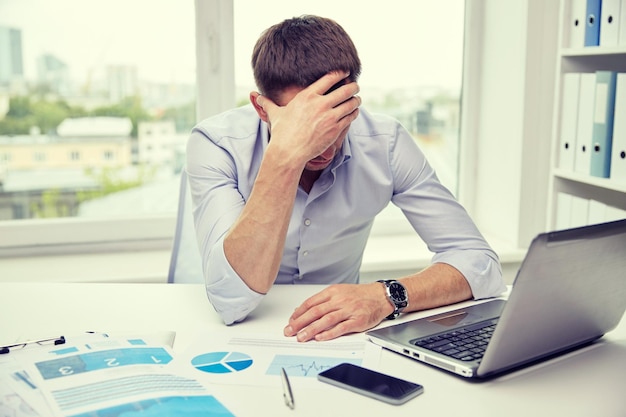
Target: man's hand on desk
(339,309)
(348,308)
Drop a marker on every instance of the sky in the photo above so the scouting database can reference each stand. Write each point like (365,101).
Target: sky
(402,43)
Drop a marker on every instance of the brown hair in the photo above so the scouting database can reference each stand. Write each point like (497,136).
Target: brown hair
(299,51)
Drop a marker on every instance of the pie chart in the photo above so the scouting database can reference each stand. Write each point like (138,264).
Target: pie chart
(221,362)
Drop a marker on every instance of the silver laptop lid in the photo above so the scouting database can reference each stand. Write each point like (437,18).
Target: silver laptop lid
(570,289)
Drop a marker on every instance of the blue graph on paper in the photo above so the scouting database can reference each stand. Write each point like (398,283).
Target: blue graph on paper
(306,366)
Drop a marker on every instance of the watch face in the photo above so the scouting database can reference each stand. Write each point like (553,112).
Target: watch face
(397,292)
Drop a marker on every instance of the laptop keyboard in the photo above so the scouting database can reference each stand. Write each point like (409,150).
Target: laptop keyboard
(467,344)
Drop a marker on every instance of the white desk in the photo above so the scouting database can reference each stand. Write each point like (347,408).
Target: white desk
(587,382)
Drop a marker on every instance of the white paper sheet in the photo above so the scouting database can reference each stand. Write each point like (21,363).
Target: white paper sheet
(256,359)
(113,377)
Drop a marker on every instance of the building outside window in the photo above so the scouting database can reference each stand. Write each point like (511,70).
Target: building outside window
(118,95)
(75,85)
(412,57)
(39,157)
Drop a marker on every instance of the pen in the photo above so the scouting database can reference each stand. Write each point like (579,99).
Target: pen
(287,393)
(24,378)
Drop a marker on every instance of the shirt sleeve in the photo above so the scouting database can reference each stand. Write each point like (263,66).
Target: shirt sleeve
(482,272)
(440,220)
(231,297)
(216,205)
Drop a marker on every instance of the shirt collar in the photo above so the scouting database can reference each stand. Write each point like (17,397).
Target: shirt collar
(344,155)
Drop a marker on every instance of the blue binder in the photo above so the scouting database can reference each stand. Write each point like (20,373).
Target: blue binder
(604,114)
(592,24)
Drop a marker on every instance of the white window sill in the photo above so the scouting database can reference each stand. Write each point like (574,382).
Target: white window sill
(385,257)
(137,266)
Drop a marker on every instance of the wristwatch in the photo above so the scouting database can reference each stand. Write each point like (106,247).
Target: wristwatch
(397,296)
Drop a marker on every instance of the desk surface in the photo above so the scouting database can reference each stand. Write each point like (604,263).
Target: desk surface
(588,382)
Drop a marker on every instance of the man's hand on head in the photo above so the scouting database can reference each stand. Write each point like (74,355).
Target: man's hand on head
(305,122)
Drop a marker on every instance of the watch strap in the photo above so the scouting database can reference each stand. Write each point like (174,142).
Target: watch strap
(398,305)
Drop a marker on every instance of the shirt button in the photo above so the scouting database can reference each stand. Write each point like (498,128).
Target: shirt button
(307,222)
(305,253)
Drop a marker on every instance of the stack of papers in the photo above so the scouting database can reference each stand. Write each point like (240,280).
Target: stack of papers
(100,376)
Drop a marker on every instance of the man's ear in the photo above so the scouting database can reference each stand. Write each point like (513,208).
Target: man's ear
(262,113)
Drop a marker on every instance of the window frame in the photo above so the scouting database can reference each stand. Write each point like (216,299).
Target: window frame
(67,236)
(215,74)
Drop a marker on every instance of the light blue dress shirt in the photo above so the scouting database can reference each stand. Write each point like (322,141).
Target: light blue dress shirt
(378,163)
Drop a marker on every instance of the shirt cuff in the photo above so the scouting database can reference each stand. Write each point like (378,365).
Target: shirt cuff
(230,296)
(482,272)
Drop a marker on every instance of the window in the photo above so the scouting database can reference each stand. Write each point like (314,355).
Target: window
(78,81)
(406,73)
(124,86)
(412,57)
(39,157)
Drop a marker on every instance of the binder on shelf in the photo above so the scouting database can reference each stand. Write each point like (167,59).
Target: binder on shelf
(582,159)
(597,212)
(610,24)
(563,211)
(603,124)
(618,151)
(569,117)
(614,213)
(592,22)
(580,211)
(600,212)
(576,23)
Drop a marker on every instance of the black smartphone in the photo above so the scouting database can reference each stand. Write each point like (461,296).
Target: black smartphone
(371,383)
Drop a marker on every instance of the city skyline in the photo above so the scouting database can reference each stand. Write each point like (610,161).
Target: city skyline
(163,49)
(411,50)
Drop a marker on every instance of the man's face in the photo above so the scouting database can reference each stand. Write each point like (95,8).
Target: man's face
(325,158)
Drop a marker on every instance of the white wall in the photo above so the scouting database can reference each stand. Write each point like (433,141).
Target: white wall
(215,65)
(509,111)
(500,118)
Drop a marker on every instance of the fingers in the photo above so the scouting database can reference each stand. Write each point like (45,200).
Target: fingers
(337,92)
(265,103)
(340,329)
(335,311)
(345,99)
(332,80)
(308,312)
(326,325)
(328,81)
(345,102)
(348,109)
(305,121)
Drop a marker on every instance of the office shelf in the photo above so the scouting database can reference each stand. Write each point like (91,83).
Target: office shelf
(579,59)
(601,183)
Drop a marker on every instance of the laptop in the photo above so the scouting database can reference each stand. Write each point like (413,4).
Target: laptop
(569,291)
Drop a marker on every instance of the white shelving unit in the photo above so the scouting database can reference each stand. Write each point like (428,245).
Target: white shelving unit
(580,59)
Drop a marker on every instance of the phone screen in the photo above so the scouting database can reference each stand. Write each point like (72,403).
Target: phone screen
(371,383)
